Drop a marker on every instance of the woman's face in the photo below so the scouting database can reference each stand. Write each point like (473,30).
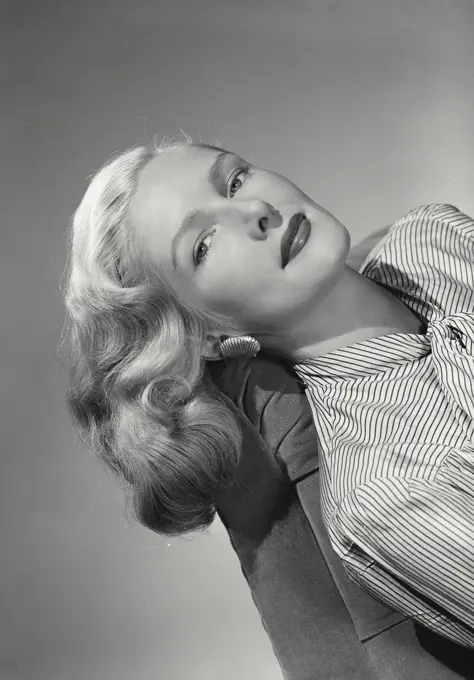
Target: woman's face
(214,225)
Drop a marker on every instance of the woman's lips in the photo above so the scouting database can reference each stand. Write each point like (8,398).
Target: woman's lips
(295,238)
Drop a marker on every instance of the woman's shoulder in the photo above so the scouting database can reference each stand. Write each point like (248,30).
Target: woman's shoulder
(427,254)
(429,210)
(440,216)
(425,227)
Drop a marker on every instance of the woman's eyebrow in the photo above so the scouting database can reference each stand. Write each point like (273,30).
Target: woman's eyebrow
(215,171)
(185,226)
(214,177)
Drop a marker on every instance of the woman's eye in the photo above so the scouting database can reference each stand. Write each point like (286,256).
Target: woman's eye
(198,256)
(236,183)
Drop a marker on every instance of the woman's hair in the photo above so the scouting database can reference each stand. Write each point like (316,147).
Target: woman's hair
(138,393)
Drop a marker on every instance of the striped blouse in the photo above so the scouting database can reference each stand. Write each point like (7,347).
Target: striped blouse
(395,416)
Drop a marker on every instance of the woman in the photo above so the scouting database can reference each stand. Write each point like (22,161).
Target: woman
(178,251)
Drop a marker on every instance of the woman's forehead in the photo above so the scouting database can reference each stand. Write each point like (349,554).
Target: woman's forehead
(219,149)
(171,178)
(195,152)
(180,164)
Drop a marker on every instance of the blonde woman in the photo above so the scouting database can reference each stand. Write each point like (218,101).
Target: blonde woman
(185,254)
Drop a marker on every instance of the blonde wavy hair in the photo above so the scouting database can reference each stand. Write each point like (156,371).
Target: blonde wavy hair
(138,395)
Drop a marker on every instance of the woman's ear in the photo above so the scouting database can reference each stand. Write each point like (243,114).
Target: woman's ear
(211,350)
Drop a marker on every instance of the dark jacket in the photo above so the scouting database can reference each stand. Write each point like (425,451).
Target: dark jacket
(320,624)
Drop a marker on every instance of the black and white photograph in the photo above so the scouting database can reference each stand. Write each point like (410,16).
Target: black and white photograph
(237,308)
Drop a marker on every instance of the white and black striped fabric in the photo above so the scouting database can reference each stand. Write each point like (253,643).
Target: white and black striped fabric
(395,416)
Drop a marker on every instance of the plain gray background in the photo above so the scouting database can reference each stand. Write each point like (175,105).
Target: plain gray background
(366,104)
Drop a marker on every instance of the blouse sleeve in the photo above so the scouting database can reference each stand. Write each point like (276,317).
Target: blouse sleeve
(410,543)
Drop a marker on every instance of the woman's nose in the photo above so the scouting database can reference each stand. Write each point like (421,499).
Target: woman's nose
(255,215)
(261,213)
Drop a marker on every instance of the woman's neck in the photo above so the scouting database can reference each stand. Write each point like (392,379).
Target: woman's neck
(356,308)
